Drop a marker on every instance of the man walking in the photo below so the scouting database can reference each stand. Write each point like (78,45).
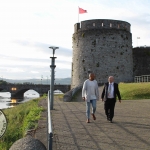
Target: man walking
(109,93)
(90,94)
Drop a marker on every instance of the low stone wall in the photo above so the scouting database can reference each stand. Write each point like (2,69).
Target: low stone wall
(72,95)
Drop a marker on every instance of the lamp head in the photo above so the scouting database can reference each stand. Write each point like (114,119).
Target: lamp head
(54,48)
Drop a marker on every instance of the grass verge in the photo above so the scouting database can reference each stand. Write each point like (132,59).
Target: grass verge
(59,96)
(21,118)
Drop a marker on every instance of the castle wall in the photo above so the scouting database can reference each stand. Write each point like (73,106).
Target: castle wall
(141,61)
(103,47)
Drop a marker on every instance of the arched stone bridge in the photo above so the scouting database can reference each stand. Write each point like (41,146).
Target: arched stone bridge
(18,90)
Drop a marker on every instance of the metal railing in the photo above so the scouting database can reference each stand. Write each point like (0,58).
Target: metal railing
(50,132)
(142,78)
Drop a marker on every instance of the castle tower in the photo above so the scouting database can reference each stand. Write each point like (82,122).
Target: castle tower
(103,47)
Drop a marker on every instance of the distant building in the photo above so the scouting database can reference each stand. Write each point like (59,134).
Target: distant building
(141,61)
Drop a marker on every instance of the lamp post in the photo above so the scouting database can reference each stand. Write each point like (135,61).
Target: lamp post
(137,40)
(47,80)
(52,66)
(41,84)
(41,79)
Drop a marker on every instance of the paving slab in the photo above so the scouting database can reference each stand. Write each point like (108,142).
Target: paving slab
(129,131)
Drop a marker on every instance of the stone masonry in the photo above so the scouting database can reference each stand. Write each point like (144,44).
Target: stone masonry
(103,47)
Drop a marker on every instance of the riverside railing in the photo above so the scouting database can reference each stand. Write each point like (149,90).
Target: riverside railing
(50,133)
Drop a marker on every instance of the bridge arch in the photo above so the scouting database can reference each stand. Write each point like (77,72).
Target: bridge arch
(19,93)
(57,91)
(17,90)
(1,89)
(31,94)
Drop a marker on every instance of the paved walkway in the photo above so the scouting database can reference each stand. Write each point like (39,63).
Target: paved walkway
(130,130)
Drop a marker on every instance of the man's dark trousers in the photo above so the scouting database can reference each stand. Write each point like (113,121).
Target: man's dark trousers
(109,107)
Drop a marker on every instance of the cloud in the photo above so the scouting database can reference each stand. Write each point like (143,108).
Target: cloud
(44,48)
(34,72)
(21,61)
(29,28)
(32,68)
(10,70)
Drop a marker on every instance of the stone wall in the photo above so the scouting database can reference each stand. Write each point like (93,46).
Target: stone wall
(103,47)
(102,24)
(141,61)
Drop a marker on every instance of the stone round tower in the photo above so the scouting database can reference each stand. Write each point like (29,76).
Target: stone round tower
(103,47)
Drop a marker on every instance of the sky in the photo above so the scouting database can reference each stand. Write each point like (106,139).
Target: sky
(29,27)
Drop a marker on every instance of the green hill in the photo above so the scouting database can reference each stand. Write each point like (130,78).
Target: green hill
(62,81)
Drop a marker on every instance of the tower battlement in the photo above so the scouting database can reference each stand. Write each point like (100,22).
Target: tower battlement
(102,24)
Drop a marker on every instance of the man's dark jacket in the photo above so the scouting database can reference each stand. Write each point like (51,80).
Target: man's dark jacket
(105,92)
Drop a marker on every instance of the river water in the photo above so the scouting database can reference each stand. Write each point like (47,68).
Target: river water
(7,102)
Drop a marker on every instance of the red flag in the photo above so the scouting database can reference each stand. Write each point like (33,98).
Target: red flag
(82,11)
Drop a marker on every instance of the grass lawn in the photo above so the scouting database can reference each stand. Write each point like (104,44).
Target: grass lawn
(134,91)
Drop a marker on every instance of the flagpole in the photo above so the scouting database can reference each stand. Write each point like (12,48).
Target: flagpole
(78,14)
(81,11)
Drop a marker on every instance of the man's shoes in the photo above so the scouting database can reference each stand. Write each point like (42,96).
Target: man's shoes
(108,118)
(94,118)
(110,121)
(88,121)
